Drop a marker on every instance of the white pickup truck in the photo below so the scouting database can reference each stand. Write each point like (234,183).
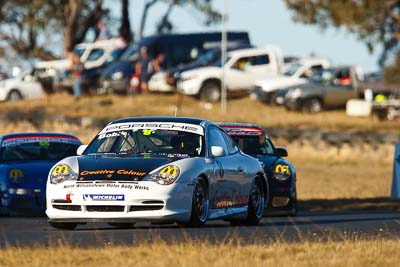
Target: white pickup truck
(242,68)
(297,73)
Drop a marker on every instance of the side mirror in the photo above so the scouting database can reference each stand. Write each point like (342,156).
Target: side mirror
(217,151)
(81,149)
(281,152)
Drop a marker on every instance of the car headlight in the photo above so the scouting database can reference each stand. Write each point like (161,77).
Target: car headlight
(61,173)
(117,76)
(296,93)
(281,172)
(166,175)
(16,176)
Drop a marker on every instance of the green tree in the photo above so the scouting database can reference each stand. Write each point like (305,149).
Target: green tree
(375,22)
(34,28)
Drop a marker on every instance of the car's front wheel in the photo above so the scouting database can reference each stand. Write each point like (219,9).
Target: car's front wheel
(200,204)
(313,105)
(64,226)
(14,95)
(210,92)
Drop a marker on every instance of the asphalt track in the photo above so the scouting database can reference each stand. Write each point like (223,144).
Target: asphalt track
(311,226)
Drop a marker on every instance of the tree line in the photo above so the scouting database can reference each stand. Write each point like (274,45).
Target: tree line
(29,28)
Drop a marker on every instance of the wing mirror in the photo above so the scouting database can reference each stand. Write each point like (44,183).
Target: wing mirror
(281,152)
(81,149)
(217,151)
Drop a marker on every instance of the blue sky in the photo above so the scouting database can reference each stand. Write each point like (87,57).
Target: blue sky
(268,22)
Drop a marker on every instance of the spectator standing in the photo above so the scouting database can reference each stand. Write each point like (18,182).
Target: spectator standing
(104,34)
(158,63)
(77,71)
(143,69)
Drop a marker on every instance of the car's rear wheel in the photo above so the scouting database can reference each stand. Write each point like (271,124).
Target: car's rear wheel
(64,226)
(256,203)
(210,92)
(258,198)
(14,95)
(200,204)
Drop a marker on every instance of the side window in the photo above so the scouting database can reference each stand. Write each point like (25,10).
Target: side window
(230,144)
(242,63)
(216,138)
(268,147)
(261,60)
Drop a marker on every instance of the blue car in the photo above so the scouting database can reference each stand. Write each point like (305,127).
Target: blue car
(281,174)
(25,162)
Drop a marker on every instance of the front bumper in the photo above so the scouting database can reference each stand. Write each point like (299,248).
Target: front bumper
(282,197)
(258,93)
(24,201)
(188,87)
(143,201)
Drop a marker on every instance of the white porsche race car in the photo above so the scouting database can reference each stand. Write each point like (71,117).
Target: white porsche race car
(157,169)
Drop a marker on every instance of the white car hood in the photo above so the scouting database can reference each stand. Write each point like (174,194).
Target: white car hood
(275,83)
(207,71)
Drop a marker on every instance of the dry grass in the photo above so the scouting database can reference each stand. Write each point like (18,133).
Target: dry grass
(341,174)
(243,110)
(347,253)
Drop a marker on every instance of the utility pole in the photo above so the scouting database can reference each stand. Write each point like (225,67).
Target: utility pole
(223,56)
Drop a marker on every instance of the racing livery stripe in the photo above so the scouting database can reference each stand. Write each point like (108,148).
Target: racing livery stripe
(185,127)
(240,130)
(39,136)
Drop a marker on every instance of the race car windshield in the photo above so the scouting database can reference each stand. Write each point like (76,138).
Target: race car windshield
(37,150)
(255,145)
(160,142)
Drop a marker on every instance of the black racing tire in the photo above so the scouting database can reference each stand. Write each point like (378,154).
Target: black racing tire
(14,95)
(257,202)
(258,198)
(63,226)
(123,225)
(313,105)
(210,92)
(200,204)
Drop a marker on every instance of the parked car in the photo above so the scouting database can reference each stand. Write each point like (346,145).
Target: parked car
(94,56)
(297,73)
(157,169)
(177,49)
(25,161)
(330,88)
(281,174)
(165,81)
(242,68)
(23,86)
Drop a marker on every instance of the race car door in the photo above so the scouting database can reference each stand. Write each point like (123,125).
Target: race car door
(226,172)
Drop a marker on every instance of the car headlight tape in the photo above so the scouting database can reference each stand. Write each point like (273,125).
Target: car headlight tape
(61,173)
(281,172)
(166,175)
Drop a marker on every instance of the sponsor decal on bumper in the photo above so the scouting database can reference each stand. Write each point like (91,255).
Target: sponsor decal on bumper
(102,197)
